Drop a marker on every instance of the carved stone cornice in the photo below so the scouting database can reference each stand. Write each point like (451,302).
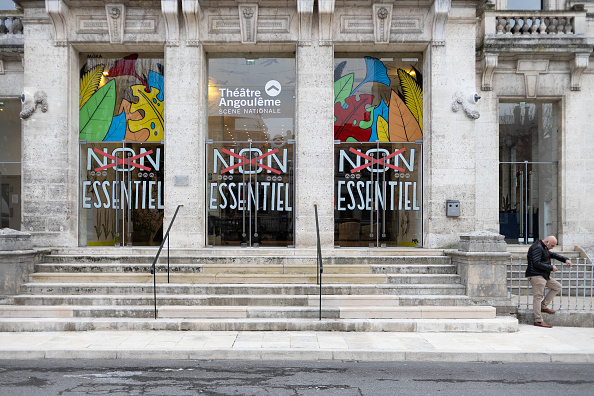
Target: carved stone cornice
(170,14)
(489,64)
(580,63)
(382,20)
(57,10)
(191,11)
(116,16)
(531,70)
(326,12)
(248,21)
(305,12)
(441,8)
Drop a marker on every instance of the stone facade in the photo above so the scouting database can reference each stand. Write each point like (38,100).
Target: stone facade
(468,47)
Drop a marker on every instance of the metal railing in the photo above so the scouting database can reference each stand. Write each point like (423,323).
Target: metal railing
(578,285)
(153,267)
(320,265)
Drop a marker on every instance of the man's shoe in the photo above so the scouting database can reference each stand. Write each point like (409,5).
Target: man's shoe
(546,310)
(542,324)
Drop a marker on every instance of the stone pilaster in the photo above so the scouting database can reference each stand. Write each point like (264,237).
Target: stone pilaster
(315,145)
(50,140)
(185,134)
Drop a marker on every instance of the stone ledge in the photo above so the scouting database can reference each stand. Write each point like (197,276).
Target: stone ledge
(11,240)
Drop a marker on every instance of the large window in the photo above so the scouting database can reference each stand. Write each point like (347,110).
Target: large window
(121,150)
(10,164)
(378,130)
(524,5)
(250,151)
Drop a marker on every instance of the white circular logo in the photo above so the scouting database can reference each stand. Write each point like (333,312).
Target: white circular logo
(272,88)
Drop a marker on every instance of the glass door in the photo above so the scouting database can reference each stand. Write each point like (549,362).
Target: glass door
(528,206)
(250,193)
(122,194)
(378,194)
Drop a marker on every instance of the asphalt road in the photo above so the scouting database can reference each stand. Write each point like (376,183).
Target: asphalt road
(295,378)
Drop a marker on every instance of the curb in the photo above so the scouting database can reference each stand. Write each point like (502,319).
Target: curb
(303,354)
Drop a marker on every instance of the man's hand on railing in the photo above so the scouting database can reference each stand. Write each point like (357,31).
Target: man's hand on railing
(568,263)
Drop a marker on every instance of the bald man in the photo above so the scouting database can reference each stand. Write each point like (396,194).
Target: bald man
(538,273)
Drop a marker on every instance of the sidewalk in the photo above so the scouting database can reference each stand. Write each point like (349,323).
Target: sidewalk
(529,344)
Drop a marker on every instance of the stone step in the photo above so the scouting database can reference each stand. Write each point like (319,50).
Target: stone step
(53,277)
(96,288)
(499,324)
(239,257)
(239,300)
(244,312)
(418,268)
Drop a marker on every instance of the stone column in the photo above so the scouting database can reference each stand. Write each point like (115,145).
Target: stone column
(314,144)
(482,259)
(185,134)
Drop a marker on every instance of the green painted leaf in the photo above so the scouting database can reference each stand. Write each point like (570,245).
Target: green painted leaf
(351,139)
(367,124)
(343,87)
(96,115)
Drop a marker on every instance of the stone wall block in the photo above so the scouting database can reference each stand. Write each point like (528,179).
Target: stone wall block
(17,260)
(482,241)
(481,259)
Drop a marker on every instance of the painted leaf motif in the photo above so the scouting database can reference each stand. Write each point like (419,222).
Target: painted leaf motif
(338,70)
(153,113)
(342,88)
(380,111)
(383,133)
(89,83)
(413,95)
(117,129)
(376,72)
(96,115)
(156,80)
(368,119)
(403,125)
(347,118)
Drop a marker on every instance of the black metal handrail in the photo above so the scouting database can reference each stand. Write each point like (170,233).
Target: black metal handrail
(320,265)
(153,270)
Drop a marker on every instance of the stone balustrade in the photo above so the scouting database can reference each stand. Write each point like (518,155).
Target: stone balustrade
(534,24)
(10,24)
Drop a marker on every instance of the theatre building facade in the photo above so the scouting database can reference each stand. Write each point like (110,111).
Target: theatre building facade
(402,123)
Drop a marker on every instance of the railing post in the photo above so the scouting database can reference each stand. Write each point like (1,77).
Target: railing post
(320,265)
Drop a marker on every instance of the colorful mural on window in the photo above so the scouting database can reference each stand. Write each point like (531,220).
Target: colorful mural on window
(122,98)
(386,106)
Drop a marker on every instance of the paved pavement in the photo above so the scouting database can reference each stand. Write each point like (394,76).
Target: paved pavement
(529,344)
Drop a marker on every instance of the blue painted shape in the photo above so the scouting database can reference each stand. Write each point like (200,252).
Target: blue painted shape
(376,72)
(117,129)
(156,80)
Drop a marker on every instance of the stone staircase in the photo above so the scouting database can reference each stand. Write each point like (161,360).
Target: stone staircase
(246,290)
